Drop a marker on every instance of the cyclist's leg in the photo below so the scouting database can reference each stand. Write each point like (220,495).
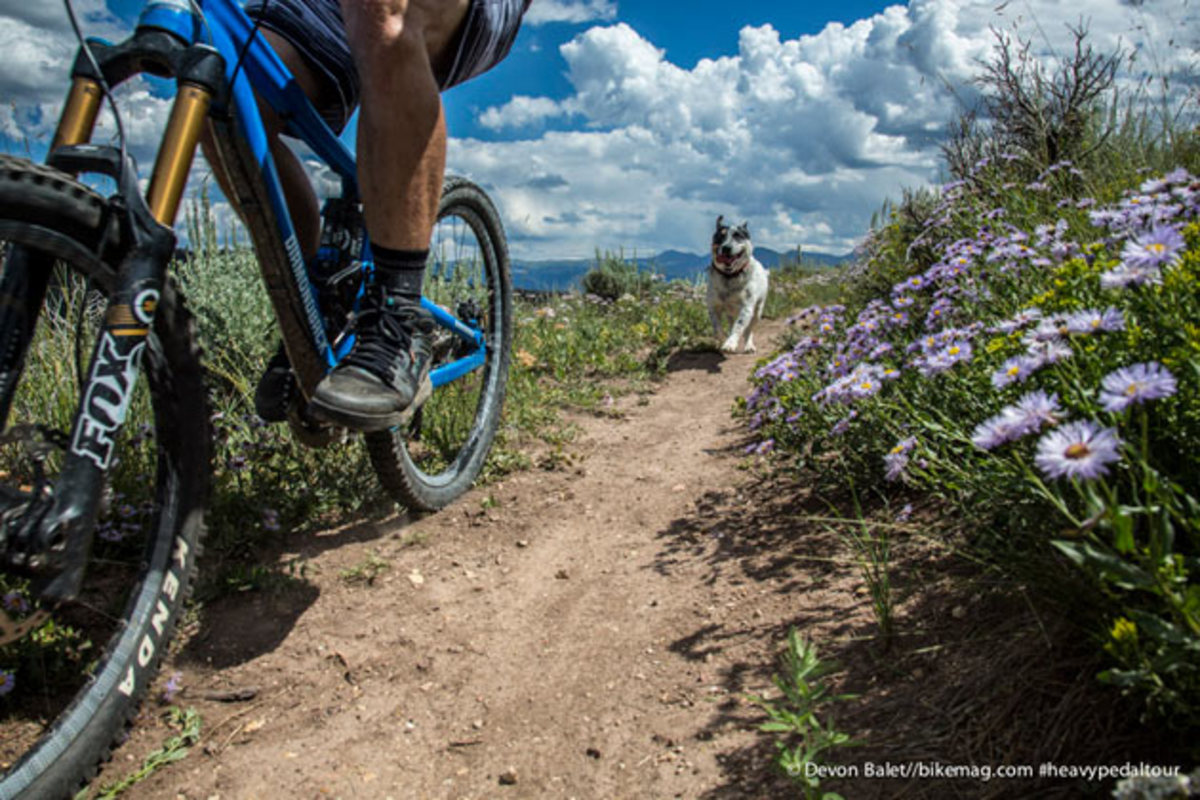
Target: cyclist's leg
(397,44)
(405,52)
(297,188)
(401,166)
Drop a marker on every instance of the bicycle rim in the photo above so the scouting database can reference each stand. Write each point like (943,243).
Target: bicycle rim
(438,457)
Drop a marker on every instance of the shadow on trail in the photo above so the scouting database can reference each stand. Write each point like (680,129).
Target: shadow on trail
(254,604)
(979,673)
(699,360)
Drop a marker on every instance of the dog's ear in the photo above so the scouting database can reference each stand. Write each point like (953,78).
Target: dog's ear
(720,219)
(746,225)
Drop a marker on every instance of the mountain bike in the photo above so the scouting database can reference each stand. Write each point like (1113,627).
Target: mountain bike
(85,620)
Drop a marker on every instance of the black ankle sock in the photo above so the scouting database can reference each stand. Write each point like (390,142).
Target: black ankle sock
(400,271)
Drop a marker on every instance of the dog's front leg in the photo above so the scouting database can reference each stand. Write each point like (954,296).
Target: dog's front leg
(748,346)
(740,337)
(733,341)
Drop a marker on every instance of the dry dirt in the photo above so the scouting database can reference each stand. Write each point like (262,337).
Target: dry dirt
(577,632)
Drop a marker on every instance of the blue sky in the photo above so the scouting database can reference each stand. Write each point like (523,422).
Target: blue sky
(631,124)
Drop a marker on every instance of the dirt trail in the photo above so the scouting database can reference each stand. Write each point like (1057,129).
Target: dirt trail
(580,636)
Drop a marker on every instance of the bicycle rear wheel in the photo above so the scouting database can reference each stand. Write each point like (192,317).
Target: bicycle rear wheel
(429,463)
(70,685)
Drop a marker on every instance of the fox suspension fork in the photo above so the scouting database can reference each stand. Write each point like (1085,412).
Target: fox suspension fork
(56,531)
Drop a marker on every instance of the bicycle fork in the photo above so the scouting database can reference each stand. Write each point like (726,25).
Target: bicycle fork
(54,533)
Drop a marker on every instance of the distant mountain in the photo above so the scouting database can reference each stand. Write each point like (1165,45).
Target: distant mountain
(565,274)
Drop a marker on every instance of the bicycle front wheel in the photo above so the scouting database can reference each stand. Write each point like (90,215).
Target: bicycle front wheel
(72,675)
(429,463)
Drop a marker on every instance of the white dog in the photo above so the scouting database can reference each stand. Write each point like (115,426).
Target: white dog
(737,287)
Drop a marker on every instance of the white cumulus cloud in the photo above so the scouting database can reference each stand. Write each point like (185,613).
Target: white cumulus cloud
(573,11)
(806,137)
(521,111)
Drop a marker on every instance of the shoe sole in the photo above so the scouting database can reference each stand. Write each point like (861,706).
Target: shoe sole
(365,423)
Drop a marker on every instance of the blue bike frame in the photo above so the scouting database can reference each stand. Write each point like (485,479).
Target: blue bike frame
(226,27)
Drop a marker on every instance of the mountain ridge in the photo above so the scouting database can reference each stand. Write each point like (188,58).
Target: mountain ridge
(565,274)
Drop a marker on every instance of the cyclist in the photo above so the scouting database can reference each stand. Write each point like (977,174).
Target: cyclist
(393,57)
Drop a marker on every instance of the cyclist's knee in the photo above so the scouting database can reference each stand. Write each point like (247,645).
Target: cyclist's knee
(399,31)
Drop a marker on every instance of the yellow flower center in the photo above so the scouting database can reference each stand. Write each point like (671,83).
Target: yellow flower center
(1157,248)
(954,351)
(1077,450)
(1131,389)
(1014,370)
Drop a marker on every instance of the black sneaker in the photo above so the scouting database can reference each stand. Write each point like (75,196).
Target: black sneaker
(384,379)
(276,388)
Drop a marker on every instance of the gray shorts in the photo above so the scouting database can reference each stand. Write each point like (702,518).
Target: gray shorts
(316,30)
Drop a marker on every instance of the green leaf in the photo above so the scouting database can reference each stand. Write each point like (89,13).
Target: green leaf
(1105,566)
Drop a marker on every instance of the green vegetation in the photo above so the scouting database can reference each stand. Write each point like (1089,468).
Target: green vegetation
(802,740)
(1022,348)
(188,723)
(612,277)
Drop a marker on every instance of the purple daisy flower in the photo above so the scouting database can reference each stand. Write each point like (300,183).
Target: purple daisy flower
(1124,276)
(997,430)
(1158,248)
(1135,384)
(8,682)
(1049,329)
(896,460)
(1091,320)
(843,424)
(1041,354)
(957,352)
(15,601)
(895,463)
(172,687)
(1014,370)
(1080,450)
(1036,409)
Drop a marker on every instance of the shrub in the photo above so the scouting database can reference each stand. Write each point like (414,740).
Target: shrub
(613,277)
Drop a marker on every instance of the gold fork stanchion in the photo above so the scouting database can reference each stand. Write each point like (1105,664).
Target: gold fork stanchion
(176,152)
(78,117)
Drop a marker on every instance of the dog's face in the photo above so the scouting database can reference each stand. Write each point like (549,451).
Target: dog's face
(731,243)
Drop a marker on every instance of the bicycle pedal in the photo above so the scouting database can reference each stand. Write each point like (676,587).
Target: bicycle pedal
(311,432)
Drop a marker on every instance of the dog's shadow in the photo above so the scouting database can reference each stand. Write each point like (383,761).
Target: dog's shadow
(701,360)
